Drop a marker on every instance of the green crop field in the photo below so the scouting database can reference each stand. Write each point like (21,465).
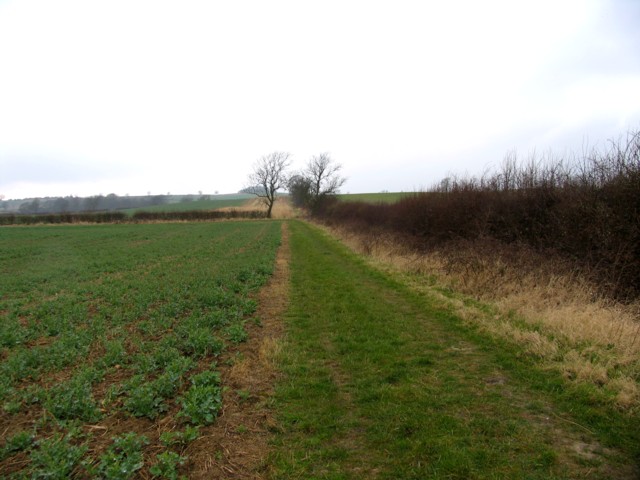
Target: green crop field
(109,336)
(383,197)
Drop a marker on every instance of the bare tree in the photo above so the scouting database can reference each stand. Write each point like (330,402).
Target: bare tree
(269,176)
(323,175)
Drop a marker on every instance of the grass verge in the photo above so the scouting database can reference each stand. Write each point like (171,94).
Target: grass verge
(383,382)
(534,301)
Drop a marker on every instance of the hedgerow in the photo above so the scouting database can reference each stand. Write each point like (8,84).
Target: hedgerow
(586,209)
(121,217)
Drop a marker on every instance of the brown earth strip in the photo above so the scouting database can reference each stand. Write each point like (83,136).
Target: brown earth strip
(238,444)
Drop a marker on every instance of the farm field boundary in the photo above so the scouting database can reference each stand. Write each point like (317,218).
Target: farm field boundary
(136,217)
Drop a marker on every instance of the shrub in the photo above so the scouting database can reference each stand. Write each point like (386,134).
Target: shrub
(120,217)
(195,215)
(100,217)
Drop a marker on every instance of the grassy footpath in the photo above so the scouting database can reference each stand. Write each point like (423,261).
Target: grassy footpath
(380,383)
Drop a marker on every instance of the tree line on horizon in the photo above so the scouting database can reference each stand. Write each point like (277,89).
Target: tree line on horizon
(312,187)
(94,203)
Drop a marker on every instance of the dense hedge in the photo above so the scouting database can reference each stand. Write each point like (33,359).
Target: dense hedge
(587,209)
(100,217)
(198,215)
(119,217)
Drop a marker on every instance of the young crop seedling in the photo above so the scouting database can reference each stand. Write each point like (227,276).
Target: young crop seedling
(72,400)
(12,406)
(167,465)
(237,333)
(200,342)
(201,403)
(115,353)
(56,458)
(11,333)
(16,443)
(123,458)
(180,438)
(143,399)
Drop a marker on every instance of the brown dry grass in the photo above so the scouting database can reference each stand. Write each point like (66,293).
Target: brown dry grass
(550,312)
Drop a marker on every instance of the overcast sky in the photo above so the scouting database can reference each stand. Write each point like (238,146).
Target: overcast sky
(130,97)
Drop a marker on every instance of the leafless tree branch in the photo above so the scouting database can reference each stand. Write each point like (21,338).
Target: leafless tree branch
(269,176)
(324,177)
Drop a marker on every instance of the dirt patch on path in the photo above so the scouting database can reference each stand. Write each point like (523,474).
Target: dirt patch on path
(238,444)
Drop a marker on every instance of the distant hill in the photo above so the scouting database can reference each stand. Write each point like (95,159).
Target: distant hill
(213,203)
(381,197)
(129,204)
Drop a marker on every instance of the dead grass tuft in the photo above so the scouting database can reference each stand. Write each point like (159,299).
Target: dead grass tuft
(240,371)
(576,366)
(628,392)
(270,351)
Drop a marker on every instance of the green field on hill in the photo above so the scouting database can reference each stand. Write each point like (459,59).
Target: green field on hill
(382,197)
(213,203)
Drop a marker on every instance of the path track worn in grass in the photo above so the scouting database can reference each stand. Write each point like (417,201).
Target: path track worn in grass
(380,383)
